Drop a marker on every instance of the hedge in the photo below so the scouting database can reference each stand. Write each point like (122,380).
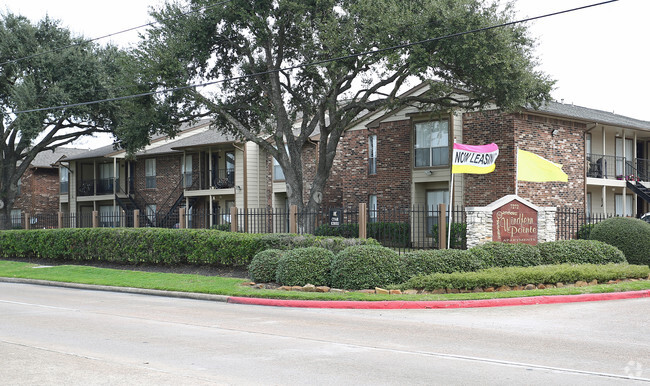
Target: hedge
(366,266)
(156,245)
(303,266)
(424,262)
(391,233)
(630,235)
(264,266)
(520,276)
(580,252)
(496,254)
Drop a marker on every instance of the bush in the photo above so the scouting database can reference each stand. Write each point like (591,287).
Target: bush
(585,231)
(221,227)
(458,235)
(344,230)
(520,276)
(425,262)
(264,266)
(366,266)
(392,233)
(630,235)
(305,266)
(579,252)
(156,245)
(496,254)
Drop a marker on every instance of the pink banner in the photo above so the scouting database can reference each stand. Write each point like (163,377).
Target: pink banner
(477,149)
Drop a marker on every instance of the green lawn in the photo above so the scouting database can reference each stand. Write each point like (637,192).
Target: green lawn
(233,287)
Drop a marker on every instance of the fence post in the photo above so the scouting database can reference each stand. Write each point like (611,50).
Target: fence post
(136,218)
(123,219)
(26,220)
(60,220)
(442,226)
(233,219)
(95,219)
(181,218)
(363,220)
(293,219)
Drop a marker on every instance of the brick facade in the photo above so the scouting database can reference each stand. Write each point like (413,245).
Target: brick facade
(350,182)
(39,191)
(168,176)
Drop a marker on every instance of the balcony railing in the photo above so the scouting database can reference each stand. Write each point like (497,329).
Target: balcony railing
(617,168)
(221,179)
(97,187)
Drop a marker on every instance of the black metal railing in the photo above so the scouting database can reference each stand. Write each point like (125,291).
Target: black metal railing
(573,223)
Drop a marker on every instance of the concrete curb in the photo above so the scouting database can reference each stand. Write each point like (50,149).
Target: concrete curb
(349,304)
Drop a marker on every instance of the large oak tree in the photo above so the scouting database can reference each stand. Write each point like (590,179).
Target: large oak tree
(42,65)
(276,85)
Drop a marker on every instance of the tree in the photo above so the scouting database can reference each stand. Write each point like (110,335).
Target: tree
(44,66)
(255,52)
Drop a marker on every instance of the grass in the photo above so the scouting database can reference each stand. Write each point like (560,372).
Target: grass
(232,287)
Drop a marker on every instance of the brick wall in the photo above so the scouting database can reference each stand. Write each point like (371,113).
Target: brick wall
(168,175)
(350,183)
(532,133)
(39,192)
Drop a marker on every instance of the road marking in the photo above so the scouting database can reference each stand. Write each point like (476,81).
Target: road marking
(38,305)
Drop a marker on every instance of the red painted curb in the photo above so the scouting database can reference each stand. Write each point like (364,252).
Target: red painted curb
(398,304)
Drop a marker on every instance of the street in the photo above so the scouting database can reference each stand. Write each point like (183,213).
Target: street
(52,335)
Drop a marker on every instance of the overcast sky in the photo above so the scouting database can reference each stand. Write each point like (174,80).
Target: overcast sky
(599,56)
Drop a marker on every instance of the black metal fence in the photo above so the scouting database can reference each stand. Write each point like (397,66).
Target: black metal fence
(576,223)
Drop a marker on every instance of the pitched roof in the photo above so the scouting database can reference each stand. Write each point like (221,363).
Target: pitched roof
(46,159)
(591,115)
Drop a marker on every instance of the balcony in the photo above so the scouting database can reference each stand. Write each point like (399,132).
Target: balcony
(97,187)
(617,168)
(221,179)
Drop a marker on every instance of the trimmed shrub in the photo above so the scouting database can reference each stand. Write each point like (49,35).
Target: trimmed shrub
(156,245)
(520,276)
(584,232)
(366,266)
(304,266)
(425,262)
(497,254)
(458,238)
(264,266)
(630,235)
(580,252)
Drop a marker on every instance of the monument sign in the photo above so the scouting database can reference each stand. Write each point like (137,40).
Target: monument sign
(514,222)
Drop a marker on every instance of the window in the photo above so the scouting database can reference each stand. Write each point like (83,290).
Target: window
(627,160)
(278,173)
(432,143)
(64,180)
(372,208)
(107,217)
(150,211)
(627,211)
(588,206)
(372,154)
(230,168)
(150,173)
(186,171)
(588,143)
(105,183)
(434,198)
(16,218)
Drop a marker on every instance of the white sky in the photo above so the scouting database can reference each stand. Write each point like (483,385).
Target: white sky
(600,56)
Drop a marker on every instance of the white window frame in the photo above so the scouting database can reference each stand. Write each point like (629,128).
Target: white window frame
(431,141)
(372,154)
(150,173)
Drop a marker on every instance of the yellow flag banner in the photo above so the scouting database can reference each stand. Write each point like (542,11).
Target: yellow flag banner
(531,167)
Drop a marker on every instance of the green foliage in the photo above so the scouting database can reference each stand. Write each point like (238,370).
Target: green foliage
(425,262)
(155,245)
(520,276)
(46,77)
(585,231)
(458,238)
(302,266)
(221,227)
(264,266)
(386,233)
(630,235)
(497,254)
(366,266)
(579,252)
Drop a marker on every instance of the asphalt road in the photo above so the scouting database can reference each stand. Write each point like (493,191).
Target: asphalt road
(51,335)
